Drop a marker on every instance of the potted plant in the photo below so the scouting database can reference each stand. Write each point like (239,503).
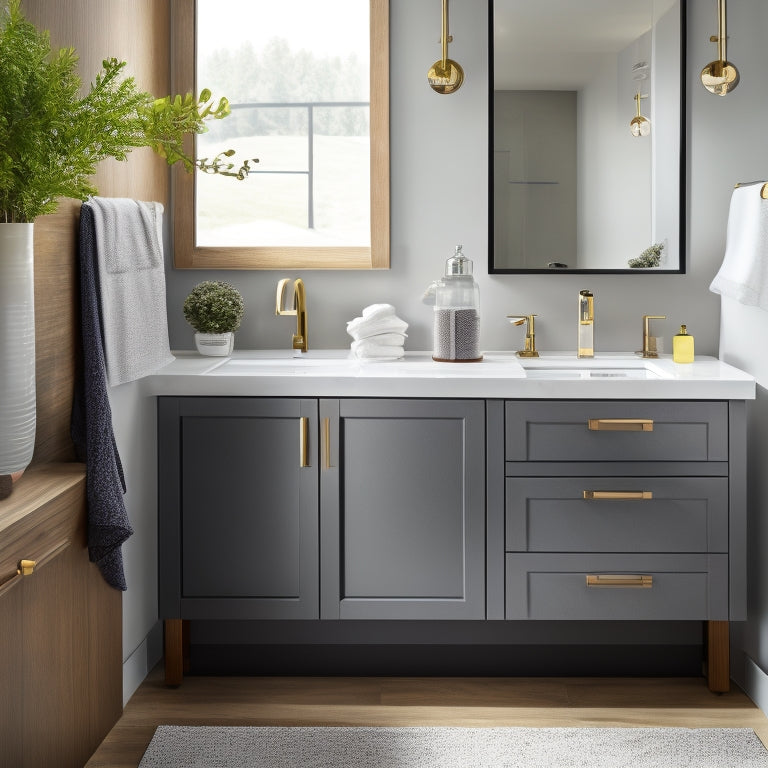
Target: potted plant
(214,309)
(51,139)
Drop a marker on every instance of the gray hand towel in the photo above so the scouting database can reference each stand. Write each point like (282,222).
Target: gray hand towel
(131,272)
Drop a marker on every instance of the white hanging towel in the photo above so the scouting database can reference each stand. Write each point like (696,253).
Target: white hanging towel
(743,275)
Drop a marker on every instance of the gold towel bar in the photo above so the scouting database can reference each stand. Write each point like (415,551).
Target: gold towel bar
(763,189)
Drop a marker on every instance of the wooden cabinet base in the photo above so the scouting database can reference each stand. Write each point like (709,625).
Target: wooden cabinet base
(176,651)
(717,656)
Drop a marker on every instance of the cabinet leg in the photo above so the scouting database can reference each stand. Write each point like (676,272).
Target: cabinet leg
(717,643)
(174,651)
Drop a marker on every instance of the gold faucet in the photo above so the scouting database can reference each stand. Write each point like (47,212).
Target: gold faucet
(296,298)
(530,334)
(649,342)
(586,337)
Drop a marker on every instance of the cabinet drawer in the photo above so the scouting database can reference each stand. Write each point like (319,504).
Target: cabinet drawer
(678,587)
(639,514)
(613,431)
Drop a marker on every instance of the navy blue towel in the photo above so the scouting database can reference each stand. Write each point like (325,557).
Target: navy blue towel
(91,430)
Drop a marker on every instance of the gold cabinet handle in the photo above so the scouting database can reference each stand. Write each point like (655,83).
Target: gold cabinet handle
(303,441)
(619,580)
(327,444)
(620,425)
(617,495)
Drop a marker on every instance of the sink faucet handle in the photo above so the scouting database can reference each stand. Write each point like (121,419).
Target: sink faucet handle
(530,335)
(650,348)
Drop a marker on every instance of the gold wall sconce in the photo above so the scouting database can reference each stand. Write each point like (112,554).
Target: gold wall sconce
(445,75)
(720,76)
(639,125)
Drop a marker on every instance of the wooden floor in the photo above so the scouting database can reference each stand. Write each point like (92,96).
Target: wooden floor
(542,702)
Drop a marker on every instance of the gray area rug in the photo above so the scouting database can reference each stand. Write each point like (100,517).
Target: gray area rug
(334,747)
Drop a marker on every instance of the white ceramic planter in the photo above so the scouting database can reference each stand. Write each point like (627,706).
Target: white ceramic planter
(17,348)
(215,344)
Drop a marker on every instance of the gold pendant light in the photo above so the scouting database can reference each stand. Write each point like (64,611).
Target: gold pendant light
(720,76)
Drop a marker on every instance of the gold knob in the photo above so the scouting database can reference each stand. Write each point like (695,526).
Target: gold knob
(26,567)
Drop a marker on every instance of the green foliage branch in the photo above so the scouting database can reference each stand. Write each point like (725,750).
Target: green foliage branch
(214,306)
(52,138)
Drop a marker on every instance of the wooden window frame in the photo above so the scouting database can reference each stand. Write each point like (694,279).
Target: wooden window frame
(188,255)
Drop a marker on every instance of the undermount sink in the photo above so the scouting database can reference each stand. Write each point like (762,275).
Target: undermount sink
(284,361)
(598,368)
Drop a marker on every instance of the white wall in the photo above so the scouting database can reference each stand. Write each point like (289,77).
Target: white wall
(439,198)
(744,330)
(135,425)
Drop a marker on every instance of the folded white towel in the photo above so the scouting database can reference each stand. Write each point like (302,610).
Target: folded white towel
(387,344)
(369,349)
(378,310)
(362,328)
(743,275)
(384,340)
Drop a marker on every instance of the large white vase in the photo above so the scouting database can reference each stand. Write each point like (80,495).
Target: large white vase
(17,348)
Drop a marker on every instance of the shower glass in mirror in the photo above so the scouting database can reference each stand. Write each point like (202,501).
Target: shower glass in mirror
(300,86)
(572,190)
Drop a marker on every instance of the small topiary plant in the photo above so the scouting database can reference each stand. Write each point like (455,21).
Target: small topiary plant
(650,257)
(214,307)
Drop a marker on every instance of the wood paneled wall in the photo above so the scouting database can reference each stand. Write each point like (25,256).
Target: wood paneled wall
(138,32)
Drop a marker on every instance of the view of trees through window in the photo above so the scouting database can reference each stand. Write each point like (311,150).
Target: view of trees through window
(298,83)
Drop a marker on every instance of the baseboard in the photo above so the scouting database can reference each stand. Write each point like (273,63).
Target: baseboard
(139,664)
(443,660)
(753,681)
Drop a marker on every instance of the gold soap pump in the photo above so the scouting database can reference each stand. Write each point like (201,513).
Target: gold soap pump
(682,346)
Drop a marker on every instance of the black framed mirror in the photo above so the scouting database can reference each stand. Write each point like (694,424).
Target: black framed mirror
(587,136)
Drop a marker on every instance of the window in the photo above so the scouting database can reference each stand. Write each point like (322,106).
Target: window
(310,99)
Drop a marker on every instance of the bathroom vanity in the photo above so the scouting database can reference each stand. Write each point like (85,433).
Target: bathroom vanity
(331,489)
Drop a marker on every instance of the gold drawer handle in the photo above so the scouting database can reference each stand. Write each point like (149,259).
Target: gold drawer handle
(618,495)
(327,444)
(620,425)
(303,442)
(619,580)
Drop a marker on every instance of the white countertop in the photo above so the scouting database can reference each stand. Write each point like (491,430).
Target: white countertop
(332,373)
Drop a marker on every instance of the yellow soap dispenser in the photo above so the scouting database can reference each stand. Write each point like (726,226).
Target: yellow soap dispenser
(682,346)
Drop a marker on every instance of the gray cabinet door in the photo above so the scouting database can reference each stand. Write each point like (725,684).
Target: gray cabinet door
(238,508)
(403,509)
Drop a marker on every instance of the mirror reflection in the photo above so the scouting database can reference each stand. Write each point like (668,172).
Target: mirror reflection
(586,151)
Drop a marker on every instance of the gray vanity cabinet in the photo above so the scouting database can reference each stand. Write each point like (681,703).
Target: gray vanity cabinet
(238,508)
(276,508)
(624,510)
(403,509)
